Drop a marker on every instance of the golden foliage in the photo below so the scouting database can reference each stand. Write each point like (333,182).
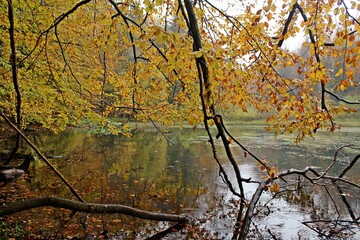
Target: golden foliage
(101,62)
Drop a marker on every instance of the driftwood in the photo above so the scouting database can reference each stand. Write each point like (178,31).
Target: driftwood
(57,202)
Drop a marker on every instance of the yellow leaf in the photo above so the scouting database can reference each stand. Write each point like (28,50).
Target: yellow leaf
(342,17)
(158,2)
(353,4)
(257,30)
(339,72)
(198,54)
(211,122)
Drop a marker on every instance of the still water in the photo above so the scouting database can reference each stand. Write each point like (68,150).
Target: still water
(148,172)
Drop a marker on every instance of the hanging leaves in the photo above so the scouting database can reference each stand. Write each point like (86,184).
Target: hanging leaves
(106,60)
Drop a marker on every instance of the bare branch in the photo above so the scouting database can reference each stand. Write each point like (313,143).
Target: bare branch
(347,204)
(250,210)
(348,13)
(334,161)
(65,60)
(57,202)
(352,163)
(342,99)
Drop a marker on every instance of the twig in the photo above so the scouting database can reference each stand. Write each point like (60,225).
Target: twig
(334,160)
(352,163)
(341,99)
(347,204)
(271,234)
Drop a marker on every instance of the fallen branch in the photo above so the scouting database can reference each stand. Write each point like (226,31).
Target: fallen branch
(167,231)
(57,202)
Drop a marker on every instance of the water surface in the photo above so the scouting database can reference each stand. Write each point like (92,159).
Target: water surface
(148,172)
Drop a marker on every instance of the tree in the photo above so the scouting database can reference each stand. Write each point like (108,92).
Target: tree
(90,60)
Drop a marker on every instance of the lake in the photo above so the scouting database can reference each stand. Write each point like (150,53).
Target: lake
(148,172)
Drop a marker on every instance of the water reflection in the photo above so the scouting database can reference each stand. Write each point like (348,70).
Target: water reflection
(146,171)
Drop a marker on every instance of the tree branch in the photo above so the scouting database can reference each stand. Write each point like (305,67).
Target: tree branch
(57,21)
(352,163)
(286,26)
(341,99)
(250,210)
(41,156)
(57,202)
(348,13)
(14,76)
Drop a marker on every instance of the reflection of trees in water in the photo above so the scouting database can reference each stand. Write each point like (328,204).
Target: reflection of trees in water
(146,171)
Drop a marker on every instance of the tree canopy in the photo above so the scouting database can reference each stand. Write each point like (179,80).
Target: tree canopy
(95,60)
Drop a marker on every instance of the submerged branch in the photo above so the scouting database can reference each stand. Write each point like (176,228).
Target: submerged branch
(169,230)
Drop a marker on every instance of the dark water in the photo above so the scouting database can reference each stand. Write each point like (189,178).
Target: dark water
(148,172)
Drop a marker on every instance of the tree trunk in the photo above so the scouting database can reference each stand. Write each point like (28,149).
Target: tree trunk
(14,77)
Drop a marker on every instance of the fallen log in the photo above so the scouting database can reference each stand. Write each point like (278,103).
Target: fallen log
(57,202)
